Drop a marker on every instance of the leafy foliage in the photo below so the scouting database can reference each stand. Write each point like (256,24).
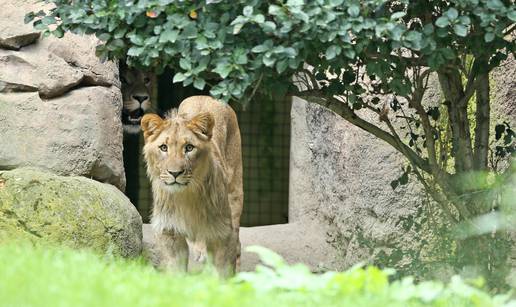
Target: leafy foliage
(242,42)
(49,276)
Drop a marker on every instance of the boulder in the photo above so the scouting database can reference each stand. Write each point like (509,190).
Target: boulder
(74,211)
(37,69)
(340,178)
(59,104)
(14,33)
(76,134)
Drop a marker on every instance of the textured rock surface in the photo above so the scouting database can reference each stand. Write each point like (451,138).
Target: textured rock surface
(59,104)
(74,211)
(70,135)
(503,91)
(340,176)
(13,33)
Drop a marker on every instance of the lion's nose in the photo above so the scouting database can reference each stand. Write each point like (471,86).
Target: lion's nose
(140,98)
(175,174)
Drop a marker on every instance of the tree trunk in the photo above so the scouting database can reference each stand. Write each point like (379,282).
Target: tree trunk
(482,123)
(457,104)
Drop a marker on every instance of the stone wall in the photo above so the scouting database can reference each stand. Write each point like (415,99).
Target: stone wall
(340,176)
(340,180)
(59,104)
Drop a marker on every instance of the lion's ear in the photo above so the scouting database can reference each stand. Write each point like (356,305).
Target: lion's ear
(202,125)
(151,125)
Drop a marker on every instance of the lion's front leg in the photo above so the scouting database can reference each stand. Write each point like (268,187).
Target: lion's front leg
(173,250)
(223,253)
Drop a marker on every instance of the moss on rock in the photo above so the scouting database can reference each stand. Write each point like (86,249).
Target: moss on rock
(74,211)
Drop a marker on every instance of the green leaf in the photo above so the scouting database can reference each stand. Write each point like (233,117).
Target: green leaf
(260,48)
(38,25)
(275,10)
(104,37)
(281,66)
(190,31)
(268,60)
(460,30)
(354,10)
(248,10)
(349,53)
(442,22)
(465,20)
(267,256)
(29,17)
(403,179)
(489,37)
(268,26)
(259,19)
(199,83)
(495,5)
(394,184)
(223,69)
(452,14)
(413,36)
(499,130)
(237,28)
(168,36)
(48,20)
(398,15)
(179,77)
(135,51)
(295,2)
(58,32)
(332,52)
(185,64)
(512,15)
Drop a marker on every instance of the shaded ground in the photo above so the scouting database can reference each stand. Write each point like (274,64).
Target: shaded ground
(295,242)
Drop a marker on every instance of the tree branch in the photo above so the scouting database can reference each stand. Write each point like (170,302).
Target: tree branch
(344,111)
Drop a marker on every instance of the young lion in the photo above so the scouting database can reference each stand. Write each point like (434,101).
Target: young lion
(194,162)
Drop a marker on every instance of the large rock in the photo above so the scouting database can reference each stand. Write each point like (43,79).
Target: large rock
(36,69)
(59,104)
(340,177)
(13,33)
(76,134)
(74,211)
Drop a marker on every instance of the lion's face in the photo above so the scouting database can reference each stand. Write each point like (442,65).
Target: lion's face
(177,150)
(136,90)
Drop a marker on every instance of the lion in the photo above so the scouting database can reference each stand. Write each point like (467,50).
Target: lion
(136,94)
(194,163)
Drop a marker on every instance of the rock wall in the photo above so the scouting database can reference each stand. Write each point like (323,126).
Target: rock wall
(59,104)
(340,179)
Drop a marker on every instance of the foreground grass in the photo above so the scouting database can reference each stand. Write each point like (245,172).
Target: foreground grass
(50,276)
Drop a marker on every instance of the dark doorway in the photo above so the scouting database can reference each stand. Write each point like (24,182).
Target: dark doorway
(265,130)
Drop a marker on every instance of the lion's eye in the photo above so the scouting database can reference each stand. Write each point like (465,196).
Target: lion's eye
(189,147)
(146,80)
(163,148)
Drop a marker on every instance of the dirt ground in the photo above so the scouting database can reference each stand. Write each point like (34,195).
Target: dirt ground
(295,242)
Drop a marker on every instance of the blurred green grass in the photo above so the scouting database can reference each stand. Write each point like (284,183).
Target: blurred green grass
(55,276)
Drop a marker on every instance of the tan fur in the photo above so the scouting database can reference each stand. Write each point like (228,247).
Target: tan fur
(204,202)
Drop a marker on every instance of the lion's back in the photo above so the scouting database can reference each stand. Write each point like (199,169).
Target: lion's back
(226,135)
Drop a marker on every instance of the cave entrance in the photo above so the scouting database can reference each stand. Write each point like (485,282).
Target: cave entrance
(265,131)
